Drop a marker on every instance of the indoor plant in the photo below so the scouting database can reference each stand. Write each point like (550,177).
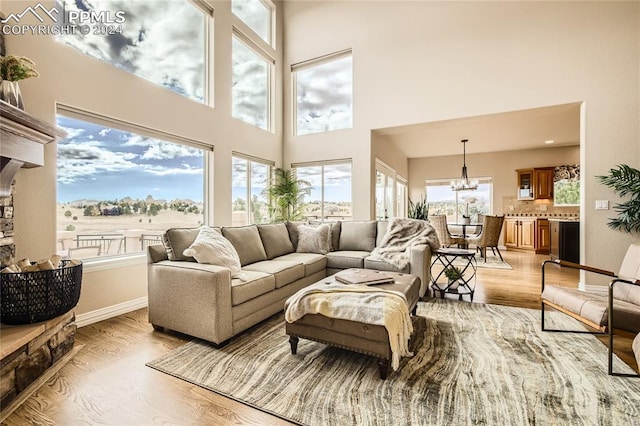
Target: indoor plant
(419,209)
(624,180)
(286,195)
(13,69)
(453,274)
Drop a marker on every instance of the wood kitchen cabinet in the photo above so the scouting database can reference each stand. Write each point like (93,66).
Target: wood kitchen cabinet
(520,233)
(535,184)
(543,242)
(543,183)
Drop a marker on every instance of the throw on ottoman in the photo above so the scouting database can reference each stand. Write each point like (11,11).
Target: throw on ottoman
(356,317)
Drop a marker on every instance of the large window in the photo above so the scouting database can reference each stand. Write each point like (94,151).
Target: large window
(250,178)
(323,93)
(164,42)
(391,192)
(330,197)
(566,185)
(118,190)
(251,85)
(456,204)
(258,15)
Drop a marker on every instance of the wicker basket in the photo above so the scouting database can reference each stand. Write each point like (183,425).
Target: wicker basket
(28,297)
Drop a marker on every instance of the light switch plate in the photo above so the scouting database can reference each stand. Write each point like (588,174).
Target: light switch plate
(602,204)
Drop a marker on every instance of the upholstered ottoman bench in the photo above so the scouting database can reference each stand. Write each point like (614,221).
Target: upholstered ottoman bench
(368,339)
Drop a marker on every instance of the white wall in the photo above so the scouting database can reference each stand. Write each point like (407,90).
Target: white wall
(425,61)
(69,77)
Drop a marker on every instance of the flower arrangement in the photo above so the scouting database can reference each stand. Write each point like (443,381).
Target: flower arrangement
(15,68)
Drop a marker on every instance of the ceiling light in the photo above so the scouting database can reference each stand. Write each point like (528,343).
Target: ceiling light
(549,142)
(464,184)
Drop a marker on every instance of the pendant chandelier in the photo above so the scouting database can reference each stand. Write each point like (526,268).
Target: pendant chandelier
(464,184)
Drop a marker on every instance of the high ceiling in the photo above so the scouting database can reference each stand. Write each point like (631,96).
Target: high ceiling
(515,130)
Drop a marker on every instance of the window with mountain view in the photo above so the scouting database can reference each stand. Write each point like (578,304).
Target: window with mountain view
(119,190)
(455,204)
(249,179)
(330,197)
(163,42)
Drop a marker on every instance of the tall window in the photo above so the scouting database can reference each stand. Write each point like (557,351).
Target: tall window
(165,43)
(251,85)
(250,178)
(391,192)
(456,204)
(258,15)
(330,197)
(118,190)
(324,93)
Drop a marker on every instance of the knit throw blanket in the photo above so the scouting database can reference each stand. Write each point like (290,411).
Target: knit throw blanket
(402,234)
(357,303)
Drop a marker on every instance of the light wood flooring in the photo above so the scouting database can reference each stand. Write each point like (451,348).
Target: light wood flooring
(107,382)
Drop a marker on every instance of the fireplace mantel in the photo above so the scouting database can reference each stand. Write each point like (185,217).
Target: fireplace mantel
(22,142)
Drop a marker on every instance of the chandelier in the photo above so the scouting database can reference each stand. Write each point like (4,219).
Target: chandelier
(464,184)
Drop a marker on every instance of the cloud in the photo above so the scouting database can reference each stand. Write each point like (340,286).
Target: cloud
(77,161)
(72,132)
(104,132)
(170,171)
(162,151)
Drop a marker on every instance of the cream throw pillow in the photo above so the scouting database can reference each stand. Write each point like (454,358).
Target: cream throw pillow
(314,239)
(212,248)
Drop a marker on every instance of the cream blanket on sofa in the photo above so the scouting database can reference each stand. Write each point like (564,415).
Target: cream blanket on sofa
(357,303)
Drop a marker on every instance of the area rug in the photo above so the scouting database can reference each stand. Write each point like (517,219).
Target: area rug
(492,262)
(473,364)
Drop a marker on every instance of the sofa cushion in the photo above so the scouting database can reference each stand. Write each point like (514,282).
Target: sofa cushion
(250,284)
(335,235)
(381,231)
(381,265)
(275,239)
(358,236)
(314,239)
(177,240)
(247,242)
(212,248)
(312,262)
(346,259)
(284,271)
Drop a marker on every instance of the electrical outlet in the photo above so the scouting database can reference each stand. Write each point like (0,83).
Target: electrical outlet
(602,204)
(543,207)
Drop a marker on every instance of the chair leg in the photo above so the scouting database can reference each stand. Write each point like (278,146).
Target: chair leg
(500,254)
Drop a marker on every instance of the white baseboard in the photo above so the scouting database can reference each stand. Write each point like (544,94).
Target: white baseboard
(601,289)
(111,311)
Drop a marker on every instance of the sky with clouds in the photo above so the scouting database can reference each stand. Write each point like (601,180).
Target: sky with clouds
(98,163)
(162,41)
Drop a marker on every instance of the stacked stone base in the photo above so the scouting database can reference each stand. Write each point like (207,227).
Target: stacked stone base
(48,342)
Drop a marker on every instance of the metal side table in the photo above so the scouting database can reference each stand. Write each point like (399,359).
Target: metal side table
(445,258)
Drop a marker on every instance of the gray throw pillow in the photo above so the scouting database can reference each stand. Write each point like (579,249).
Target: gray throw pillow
(314,239)
(358,236)
(275,239)
(247,242)
(177,240)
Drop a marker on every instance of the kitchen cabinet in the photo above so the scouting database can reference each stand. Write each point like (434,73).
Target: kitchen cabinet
(542,236)
(520,233)
(543,183)
(535,184)
(564,237)
(525,184)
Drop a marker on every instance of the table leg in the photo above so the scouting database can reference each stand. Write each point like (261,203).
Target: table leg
(293,341)
(383,368)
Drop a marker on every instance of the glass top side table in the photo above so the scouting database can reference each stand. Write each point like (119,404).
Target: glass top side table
(464,261)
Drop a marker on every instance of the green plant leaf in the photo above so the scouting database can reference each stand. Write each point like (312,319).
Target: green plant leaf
(625,181)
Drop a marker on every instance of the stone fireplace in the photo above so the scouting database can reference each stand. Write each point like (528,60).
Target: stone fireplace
(28,352)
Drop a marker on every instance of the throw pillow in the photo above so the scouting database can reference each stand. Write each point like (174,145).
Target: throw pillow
(212,248)
(177,240)
(312,239)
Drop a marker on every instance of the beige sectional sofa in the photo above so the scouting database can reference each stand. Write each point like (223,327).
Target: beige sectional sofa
(204,301)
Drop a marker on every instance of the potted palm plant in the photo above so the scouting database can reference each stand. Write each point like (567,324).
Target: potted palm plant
(286,193)
(453,274)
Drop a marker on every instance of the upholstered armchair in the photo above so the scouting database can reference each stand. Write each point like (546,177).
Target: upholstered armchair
(617,312)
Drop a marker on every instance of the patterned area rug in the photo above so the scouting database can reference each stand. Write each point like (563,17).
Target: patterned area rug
(473,364)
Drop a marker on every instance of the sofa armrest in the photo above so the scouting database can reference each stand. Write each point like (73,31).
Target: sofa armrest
(191,298)
(420,265)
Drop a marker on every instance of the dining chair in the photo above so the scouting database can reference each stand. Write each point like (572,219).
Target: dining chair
(439,223)
(489,236)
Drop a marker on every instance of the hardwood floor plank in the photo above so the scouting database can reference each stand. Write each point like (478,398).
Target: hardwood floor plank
(107,382)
